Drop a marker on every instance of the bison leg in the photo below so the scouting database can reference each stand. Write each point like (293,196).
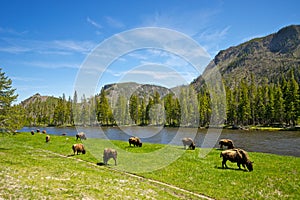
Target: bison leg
(224,163)
(115,161)
(239,165)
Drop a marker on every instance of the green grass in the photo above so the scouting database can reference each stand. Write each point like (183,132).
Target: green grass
(30,169)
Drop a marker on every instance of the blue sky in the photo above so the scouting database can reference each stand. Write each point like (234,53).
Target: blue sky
(43,44)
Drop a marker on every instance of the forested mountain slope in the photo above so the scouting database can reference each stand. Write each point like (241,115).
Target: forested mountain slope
(267,58)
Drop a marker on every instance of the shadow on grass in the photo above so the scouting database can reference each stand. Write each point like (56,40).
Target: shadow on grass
(230,168)
(4,149)
(100,164)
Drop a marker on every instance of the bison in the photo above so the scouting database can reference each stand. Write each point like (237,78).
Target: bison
(78,148)
(238,156)
(226,142)
(32,132)
(81,136)
(109,153)
(188,142)
(44,131)
(135,141)
(47,138)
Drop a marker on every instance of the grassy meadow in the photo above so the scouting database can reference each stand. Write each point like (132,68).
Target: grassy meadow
(32,168)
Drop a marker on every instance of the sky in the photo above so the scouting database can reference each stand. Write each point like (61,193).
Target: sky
(45,45)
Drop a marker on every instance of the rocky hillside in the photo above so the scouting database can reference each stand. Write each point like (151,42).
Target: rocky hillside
(36,98)
(129,88)
(113,91)
(265,57)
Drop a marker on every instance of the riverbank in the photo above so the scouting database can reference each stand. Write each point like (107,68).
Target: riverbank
(30,168)
(276,127)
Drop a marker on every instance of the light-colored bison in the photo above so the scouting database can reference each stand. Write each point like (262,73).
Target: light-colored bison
(109,153)
(44,131)
(47,138)
(135,141)
(78,148)
(188,142)
(238,156)
(81,136)
(226,142)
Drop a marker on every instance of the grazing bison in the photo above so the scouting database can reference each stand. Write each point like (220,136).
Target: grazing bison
(226,142)
(32,132)
(238,156)
(135,141)
(81,136)
(78,148)
(44,131)
(109,153)
(188,142)
(47,138)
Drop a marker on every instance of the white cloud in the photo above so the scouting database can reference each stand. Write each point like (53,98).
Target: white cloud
(14,49)
(25,79)
(60,47)
(92,22)
(210,38)
(114,23)
(51,65)
(12,31)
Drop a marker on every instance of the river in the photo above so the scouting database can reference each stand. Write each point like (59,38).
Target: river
(275,142)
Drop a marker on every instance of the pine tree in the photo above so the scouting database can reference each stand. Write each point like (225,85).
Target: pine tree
(11,117)
(134,108)
(243,104)
(259,106)
(120,110)
(168,101)
(293,98)
(278,105)
(104,112)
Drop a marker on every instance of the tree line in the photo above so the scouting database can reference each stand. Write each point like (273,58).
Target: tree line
(247,103)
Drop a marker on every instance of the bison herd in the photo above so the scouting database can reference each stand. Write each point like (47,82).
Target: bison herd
(233,154)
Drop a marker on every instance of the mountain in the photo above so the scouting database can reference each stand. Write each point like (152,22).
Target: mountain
(36,98)
(113,91)
(266,58)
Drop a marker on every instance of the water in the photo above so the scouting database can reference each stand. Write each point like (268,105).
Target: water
(276,142)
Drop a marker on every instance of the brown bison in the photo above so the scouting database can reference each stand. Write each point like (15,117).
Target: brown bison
(109,153)
(44,131)
(135,141)
(47,138)
(238,156)
(78,148)
(32,132)
(226,142)
(188,142)
(81,136)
